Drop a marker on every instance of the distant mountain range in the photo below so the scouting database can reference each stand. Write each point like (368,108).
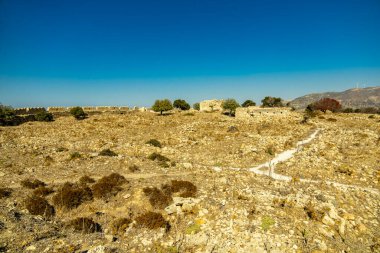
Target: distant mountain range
(354,98)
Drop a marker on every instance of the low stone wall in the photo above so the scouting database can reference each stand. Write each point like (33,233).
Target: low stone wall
(29,110)
(211,105)
(90,109)
(255,112)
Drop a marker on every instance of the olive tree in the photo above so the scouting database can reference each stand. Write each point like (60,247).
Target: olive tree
(162,105)
(230,105)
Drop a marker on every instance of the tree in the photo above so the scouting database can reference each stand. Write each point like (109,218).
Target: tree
(162,105)
(248,103)
(196,106)
(325,104)
(272,102)
(78,112)
(231,105)
(181,104)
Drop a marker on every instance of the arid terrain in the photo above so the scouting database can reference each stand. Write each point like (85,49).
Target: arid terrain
(195,193)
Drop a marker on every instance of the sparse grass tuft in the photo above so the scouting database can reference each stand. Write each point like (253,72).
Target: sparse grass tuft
(152,220)
(267,222)
(120,225)
(43,191)
(133,168)
(71,196)
(5,192)
(158,157)
(332,120)
(154,142)
(185,188)
(157,198)
(32,183)
(108,186)
(107,152)
(75,155)
(39,206)
(84,225)
(86,180)
(313,213)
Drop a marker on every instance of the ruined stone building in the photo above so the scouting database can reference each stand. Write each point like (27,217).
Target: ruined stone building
(211,105)
(256,112)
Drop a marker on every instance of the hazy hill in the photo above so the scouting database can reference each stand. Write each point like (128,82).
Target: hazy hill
(355,98)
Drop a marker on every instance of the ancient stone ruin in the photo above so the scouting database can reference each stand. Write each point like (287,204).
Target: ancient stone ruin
(256,112)
(211,105)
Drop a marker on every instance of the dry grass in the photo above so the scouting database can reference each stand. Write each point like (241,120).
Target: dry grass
(157,198)
(186,189)
(120,225)
(70,196)
(108,186)
(107,152)
(39,206)
(43,191)
(84,225)
(5,192)
(32,183)
(86,180)
(154,143)
(152,220)
(133,168)
(313,213)
(158,157)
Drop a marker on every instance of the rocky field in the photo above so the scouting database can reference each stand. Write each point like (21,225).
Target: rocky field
(139,182)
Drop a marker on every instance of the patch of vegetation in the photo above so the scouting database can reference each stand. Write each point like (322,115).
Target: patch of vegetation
(326,104)
(120,225)
(32,183)
(75,155)
(61,149)
(5,192)
(230,105)
(248,103)
(193,229)
(70,196)
(188,114)
(107,152)
(133,168)
(152,220)
(181,104)
(185,188)
(39,206)
(313,213)
(232,129)
(78,113)
(344,170)
(154,143)
(270,151)
(158,157)
(196,106)
(84,225)
(266,222)
(108,186)
(43,191)
(157,198)
(332,120)
(162,106)
(272,102)
(44,116)
(86,180)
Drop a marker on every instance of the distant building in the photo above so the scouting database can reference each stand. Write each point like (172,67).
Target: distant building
(211,105)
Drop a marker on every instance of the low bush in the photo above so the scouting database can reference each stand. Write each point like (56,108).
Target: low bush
(32,183)
(5,192)
(313,213)
(108,186)
(152,220)
(43,191)
(157,198)
(158,157)
(86,180)
(44,116)
(154,143)
(39,206)
(84,225)
(133,168)
(196,106)
(120,225)
(78,113)
(107,152)
(75,155)
(332,120)
(185,189)
(70,196)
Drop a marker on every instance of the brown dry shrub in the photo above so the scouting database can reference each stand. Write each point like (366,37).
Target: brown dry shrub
(108,186)
(5,192)
(152,220)
(84,225)
(134,168)
(157,198)
(71,196)
(120,225)
(313,213)
(158,157)
(186,188)
(86,180)
(32,183)
(107,152)
(39,206)
(332,120)
(43,191)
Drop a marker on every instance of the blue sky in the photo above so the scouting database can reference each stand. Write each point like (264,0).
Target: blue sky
(132,52)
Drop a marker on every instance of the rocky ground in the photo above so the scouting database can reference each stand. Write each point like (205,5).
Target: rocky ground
(205,198)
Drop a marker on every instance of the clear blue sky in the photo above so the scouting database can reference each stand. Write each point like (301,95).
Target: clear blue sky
(83,52)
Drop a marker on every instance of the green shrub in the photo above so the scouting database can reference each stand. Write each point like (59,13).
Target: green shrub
(154,142)
(44,116)
(267,222)
(196,106)
(75,155)
(78,113)
(181,104)
(248,103)
(272,102)
(230,105)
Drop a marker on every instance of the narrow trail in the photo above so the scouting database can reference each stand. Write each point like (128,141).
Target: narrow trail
(268,168)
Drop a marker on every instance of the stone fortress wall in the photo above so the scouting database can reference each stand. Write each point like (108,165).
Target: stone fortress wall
(34,110)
